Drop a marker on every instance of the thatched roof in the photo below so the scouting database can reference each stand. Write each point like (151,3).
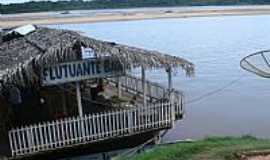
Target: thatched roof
(47,46)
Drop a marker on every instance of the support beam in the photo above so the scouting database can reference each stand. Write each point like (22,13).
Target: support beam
(64,101)
(144,87)
(79,99)
(88,90)
(171,95)
(119,87)
(170,85)
(157,138)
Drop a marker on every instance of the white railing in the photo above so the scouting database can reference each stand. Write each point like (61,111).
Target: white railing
(89,128)
(178,103)
(154,92)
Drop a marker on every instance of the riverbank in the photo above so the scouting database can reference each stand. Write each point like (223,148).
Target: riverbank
(91,16)
(227,148)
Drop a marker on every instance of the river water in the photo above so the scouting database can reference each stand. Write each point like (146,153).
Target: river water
(222,99)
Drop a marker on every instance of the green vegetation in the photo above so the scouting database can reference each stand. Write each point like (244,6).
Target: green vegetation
(104,4)
(208,149)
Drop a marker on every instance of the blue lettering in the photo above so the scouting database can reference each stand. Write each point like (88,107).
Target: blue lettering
(72,70)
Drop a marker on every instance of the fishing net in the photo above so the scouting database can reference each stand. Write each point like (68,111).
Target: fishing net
(257,63)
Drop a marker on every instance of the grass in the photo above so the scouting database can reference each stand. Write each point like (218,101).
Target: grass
(215,148)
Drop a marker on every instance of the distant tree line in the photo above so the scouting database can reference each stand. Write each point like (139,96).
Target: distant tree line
(106,4)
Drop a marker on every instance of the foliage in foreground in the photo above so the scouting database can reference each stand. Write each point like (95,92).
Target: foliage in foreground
(207,149)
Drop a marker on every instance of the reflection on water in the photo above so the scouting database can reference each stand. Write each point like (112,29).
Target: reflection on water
(215,45)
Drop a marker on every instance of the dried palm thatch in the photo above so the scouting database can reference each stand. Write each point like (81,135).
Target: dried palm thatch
(22,57)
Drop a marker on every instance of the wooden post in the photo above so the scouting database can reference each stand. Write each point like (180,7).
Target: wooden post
(169,71)
(144,87)
(119,87)
(64,101)
(79,99)
(157,138)
(171,96)
(88,90)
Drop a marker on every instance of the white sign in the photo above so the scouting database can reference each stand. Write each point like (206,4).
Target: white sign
(81,70)
(87,53)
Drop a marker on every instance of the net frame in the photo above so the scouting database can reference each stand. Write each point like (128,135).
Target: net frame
(247,65)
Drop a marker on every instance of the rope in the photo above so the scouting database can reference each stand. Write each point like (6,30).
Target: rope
(215,91)
(131,152)
(128,154)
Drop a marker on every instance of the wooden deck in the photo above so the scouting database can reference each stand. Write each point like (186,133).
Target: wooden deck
(155,92)
(162,110)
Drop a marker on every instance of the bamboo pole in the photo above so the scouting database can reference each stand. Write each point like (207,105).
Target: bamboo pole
(64,104)
(171,96)
(144,87)
(170,84)
(79,99)
(119,87)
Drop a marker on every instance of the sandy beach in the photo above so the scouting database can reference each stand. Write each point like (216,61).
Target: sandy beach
(91,16)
